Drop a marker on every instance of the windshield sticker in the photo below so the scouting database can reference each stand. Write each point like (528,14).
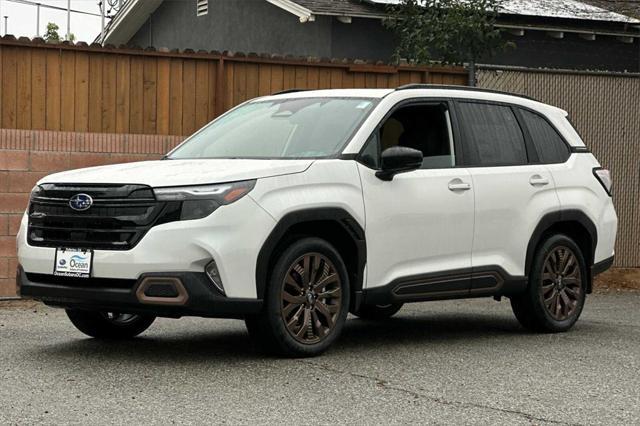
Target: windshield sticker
(363,105)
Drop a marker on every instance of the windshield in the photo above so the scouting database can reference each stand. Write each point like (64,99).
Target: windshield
(283,128)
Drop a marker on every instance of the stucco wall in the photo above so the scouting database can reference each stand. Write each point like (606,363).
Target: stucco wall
(239,26)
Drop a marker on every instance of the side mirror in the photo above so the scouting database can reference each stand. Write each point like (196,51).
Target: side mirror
(398,159)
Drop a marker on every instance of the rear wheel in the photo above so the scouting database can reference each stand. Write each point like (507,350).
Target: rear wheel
(556,293)
(109,325)
(306,301)
(378,312)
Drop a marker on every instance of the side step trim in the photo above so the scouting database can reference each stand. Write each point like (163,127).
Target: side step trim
(456,284)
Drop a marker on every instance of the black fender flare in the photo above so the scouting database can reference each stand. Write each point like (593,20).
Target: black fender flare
(550,219)
(333,214)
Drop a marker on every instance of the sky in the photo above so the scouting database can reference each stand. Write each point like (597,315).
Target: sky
(22,18)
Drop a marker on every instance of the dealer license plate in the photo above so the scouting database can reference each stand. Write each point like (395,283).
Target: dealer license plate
(73,263)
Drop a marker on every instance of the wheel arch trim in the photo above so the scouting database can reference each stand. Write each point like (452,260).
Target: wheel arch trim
(558,217)
(337,215)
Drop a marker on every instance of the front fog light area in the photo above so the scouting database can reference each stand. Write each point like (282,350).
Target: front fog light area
(214,275)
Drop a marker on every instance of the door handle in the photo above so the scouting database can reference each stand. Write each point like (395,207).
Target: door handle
(537,180)
(459,185)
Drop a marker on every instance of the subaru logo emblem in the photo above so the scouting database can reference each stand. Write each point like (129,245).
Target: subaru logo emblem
(80,202)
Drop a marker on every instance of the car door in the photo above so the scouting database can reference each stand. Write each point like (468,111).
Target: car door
(419,226)
(512,189)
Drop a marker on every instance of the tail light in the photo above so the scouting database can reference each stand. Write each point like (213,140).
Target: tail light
(604,177)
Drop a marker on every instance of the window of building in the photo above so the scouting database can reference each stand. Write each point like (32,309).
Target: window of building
(493,136)
(202,7)
(549,145)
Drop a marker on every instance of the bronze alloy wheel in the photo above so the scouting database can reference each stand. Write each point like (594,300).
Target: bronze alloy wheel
(561,287)
(311,298)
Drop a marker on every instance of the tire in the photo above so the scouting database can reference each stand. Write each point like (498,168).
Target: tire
(556,293)
(378,312)
(109,325)
(304,312)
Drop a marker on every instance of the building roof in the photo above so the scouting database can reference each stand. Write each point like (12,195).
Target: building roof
(565,9)
(625,7)
(343,8)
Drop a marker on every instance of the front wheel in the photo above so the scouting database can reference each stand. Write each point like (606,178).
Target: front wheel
(306,301)
(557,287)
(109,325)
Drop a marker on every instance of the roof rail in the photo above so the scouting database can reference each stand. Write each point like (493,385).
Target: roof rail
(284,92)
(464,88)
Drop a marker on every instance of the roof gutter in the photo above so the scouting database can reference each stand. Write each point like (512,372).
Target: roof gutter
(304,14)
(566,30)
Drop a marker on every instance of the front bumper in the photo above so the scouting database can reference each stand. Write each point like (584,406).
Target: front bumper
(197,297)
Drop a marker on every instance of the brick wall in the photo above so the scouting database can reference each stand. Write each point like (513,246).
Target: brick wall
(28,155)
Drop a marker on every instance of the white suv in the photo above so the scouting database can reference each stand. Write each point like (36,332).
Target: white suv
(292,210)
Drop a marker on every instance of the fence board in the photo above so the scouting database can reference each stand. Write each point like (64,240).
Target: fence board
(53,90)
(175,96)
(189,97)
(95,93)
(202,94)
(163,96)
(67,91)
(81,123)
(38,90)
(136,96)
(150,106)
(23,107)
(9,87)
(109,94)
(123,95)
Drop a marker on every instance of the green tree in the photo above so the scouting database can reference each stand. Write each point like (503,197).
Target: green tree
(51,35)
(450,31)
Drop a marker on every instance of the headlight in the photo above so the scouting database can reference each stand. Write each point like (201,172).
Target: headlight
(200,201)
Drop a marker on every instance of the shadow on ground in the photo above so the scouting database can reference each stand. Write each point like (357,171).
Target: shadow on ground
(232,344)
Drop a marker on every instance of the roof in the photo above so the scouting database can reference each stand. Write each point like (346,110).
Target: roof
(625,7)
(343,8)
(566,9)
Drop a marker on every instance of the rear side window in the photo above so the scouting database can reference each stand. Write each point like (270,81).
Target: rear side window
(492,135)
(549,145)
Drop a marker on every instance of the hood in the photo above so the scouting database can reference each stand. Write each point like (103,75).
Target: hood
(180,172)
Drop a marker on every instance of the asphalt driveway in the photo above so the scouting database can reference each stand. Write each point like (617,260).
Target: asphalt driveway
(439,362)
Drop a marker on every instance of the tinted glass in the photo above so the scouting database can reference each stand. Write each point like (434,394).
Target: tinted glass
(283,128)
(549,145)
(492,135)
(420,127)
(370,155)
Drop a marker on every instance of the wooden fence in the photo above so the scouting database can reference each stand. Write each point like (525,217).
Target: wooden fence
(93,89)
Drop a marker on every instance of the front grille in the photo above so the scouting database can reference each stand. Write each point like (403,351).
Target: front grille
(117,220)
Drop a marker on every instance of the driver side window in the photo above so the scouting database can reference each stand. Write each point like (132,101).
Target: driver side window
(425,127)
